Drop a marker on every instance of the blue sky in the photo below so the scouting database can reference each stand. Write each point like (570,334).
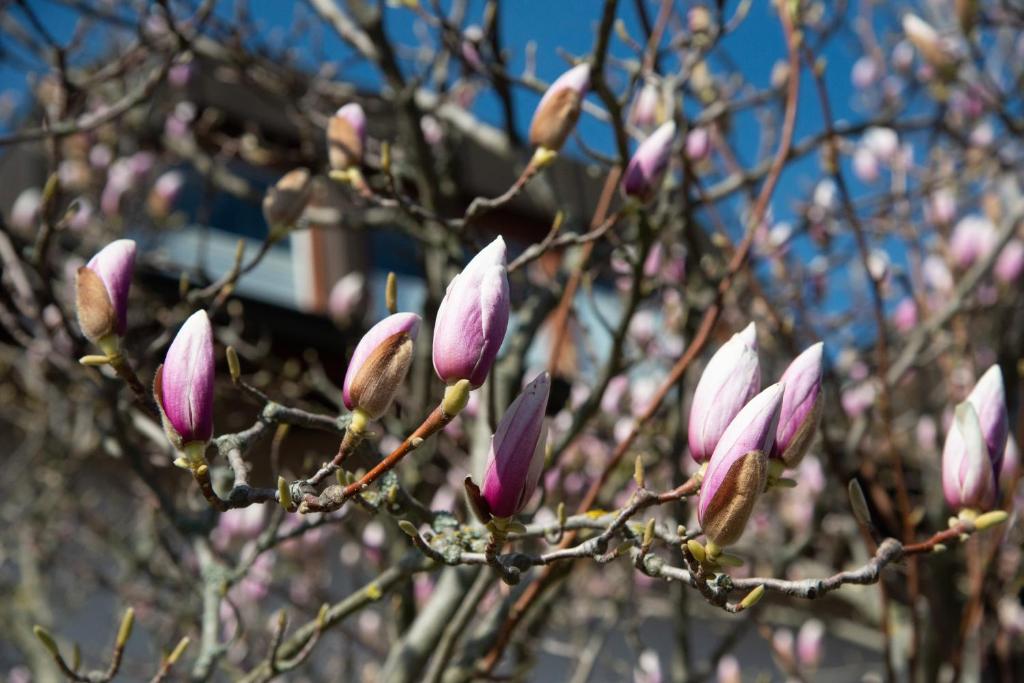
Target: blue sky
(558,27)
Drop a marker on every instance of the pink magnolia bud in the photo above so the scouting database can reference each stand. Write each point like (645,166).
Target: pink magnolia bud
(346,136)
(941,206)
(1010,469)
(285,202)
(646,106)
(728,670)
(864,73)
(379,364)
(183,386)
(883,143)
(731,378)
(516,456)
(801,406)
(1010,263)
(25,210)
(936,274)
(905,315)
(865,165)
(559,108)
(738,469)
(101,290)
(472,319)
(646,170)
(810,643)
(973,238)
(698,144)
(472,37)
(975,444)
(347,301)
(928,42)
(165,192)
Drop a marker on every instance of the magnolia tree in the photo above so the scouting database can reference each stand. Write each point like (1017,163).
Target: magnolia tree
(799,420)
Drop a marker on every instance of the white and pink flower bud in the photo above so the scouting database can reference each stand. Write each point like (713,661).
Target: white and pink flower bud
(473,318)
(647,106)
(864,73)
(379,364)
(698,144)
(810,644)
(165,193)
(1010,263)
(646,170)
(101,292)
(285,202)
(731,378)
(802,405)
(347,301)
(25,210)
(975,445)
(973,238)
(904,317)
(516,456)
(923,36)
(346,137)
(183,386)
(738,469)
(560,108)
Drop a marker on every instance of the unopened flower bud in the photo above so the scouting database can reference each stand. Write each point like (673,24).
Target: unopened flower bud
(559,108)
(473,318)
(183,385)
(731,378)
(929,43)
(646,170)
(346,137)
(698,144)
(810,643)
(285,201)
(738,469)
(379,364)
(347,301)
(165,193)
(973,238)
(516,456)
(1010,263)
(801,407)
(101,291)
(975,445)
(646,106)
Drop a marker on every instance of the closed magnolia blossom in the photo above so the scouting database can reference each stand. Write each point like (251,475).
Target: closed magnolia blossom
(285,202)
(183,387)
(646,106)
(928,42)
(346,137)
(559,109)
(101,292)
(1010,263)
(738,469)
(1009,470)
(516,456)
(972,239)
(801,407)
(472,318)
(731,378)
(975,445)
(379,365)
(646,170)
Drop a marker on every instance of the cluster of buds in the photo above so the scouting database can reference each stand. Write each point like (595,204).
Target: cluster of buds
(745,441)
(975,444)
(557,113)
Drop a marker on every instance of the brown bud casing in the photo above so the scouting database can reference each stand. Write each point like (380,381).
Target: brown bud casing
(556,119)
(379,378)
(284,202)
(96,314)
(344,145)
(729,510)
